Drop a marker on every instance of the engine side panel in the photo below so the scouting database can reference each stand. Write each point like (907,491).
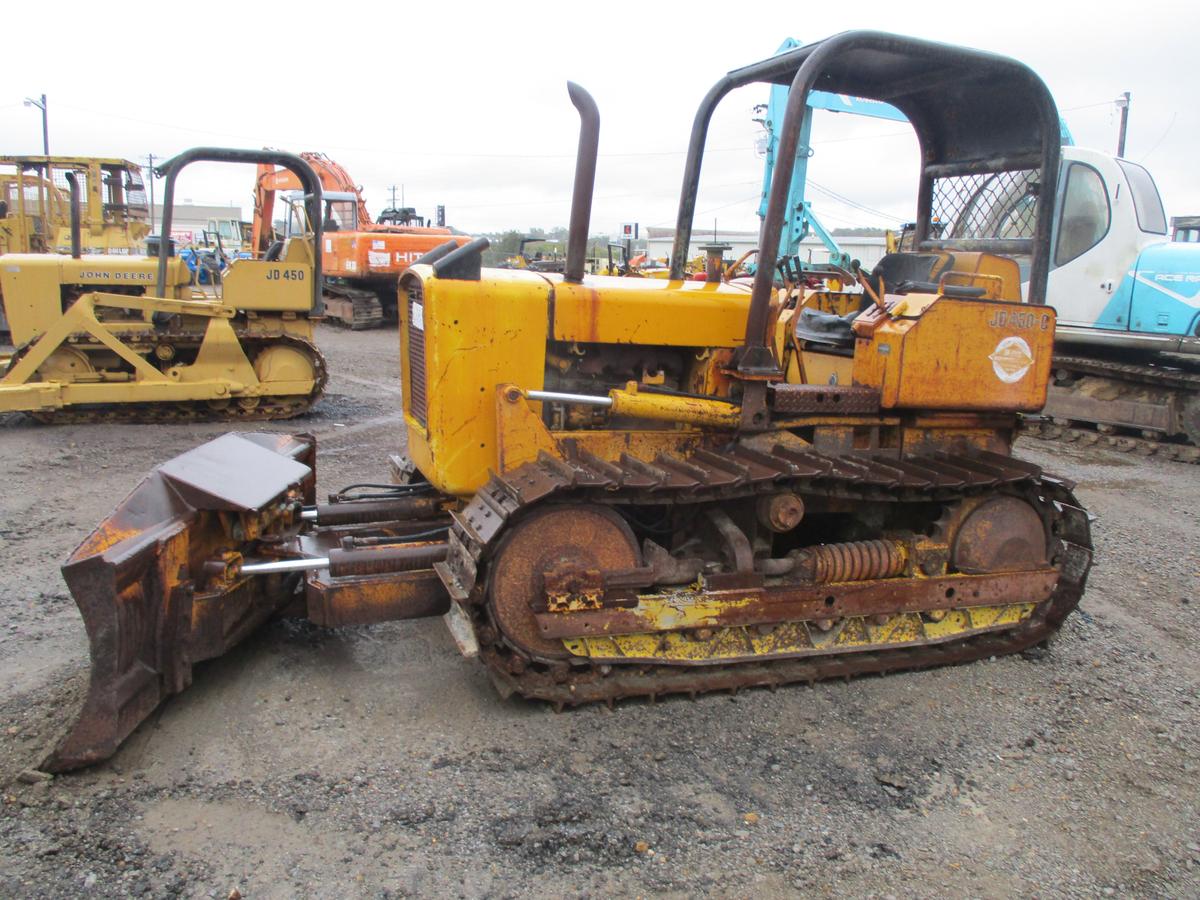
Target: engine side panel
(458,340)
(960,355)
(613,310)
(36,286)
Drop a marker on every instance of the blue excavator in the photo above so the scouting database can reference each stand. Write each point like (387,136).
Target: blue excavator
(1127,352)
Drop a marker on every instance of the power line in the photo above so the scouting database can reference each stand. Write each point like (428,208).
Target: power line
(712,209)
(633,154)
(606,197)
(399,152)
(834,195)
(1086,106)
(1170,125)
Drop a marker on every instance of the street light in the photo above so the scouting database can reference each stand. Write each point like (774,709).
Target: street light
(1122,103)
(41,104)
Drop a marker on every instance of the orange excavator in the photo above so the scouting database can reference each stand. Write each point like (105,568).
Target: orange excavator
(362,259)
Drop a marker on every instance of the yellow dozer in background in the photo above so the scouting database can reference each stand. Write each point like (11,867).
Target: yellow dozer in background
(630,487)
(35,211)
(103,337)
(35,214)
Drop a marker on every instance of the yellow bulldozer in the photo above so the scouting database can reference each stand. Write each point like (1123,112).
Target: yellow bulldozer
(35,214)
(618,487)
(102,337)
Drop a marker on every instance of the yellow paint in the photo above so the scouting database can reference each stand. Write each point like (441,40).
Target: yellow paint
(510,327)
(71,351)
(271,286)
(795,638)
(943,356)
(612,310)
(221,355)
(912,306)
(825,368)
(668,408)
(31,284)
(476,335)
(999,276)
(520,434)
(838,302)
(39,211)
(611,445)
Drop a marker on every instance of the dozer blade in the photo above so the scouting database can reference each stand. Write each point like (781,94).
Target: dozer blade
(139,579)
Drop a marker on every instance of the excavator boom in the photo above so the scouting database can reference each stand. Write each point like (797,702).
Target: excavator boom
(362,259)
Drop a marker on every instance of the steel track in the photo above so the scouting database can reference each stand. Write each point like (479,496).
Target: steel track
(268,409)
(1045,430)
(1185,379)
(367,310)
(506,499)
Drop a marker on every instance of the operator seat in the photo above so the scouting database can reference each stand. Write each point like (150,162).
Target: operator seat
(900,272)
(904,272)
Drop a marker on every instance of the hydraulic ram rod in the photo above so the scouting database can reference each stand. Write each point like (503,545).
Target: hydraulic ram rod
(285,565)
(395,558)
(580,399)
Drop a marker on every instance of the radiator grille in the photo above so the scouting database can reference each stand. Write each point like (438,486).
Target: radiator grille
(415,353)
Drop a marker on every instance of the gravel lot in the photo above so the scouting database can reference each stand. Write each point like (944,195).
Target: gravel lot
(376,762)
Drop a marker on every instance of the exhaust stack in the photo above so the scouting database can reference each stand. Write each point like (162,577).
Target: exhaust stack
(76,238)
(585,181)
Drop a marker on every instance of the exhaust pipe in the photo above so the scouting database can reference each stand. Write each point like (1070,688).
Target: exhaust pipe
(76,239)
(585,181)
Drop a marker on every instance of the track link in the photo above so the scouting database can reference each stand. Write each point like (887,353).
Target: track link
(1046,430)
(1185,375)
(1182,378)
(355,308)
(267,409)
(739,472)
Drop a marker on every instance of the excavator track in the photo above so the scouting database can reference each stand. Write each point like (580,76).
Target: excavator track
(1185,375)
(1049,430)
(1180,383)
(356,308)
(264,409)
(739,473)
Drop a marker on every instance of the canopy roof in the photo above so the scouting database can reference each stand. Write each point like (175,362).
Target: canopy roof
(964,104)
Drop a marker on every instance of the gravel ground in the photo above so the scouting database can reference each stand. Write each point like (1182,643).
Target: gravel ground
(376,762)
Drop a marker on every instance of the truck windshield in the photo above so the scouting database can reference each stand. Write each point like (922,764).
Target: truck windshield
(1146,202)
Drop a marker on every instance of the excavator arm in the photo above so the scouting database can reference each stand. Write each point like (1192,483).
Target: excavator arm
(334,179)
(272,179)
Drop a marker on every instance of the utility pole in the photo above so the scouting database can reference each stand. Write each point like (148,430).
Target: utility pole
(393,190)
(41,104)
(150,160)
(1123,105)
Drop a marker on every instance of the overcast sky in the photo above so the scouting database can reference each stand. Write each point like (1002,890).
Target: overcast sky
(465,103)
